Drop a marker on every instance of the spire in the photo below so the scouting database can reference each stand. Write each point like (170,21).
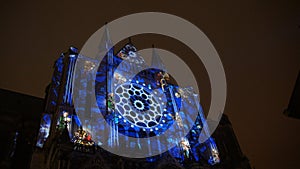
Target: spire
(105,44)
(156,60)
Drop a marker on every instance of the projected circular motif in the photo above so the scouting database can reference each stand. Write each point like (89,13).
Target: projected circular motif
(137,105)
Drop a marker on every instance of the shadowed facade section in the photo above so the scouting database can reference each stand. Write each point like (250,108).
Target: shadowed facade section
(293,109)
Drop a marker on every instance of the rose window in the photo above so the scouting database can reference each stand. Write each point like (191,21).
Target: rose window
(138,105)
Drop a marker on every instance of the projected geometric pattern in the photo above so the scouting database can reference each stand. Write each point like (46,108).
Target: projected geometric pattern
(137,105)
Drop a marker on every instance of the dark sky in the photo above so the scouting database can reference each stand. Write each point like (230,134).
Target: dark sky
(258,43)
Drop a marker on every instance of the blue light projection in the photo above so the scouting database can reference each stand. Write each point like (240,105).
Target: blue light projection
(123,103)
(149,91)
(44,130)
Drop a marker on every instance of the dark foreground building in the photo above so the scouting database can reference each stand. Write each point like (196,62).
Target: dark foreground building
(293,109)
(19,123)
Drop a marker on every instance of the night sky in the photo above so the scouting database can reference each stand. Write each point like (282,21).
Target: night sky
(258,43)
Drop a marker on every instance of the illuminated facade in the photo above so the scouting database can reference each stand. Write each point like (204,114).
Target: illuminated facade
(69,139)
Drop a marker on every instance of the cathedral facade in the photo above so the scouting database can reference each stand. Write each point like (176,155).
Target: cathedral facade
(119,113)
